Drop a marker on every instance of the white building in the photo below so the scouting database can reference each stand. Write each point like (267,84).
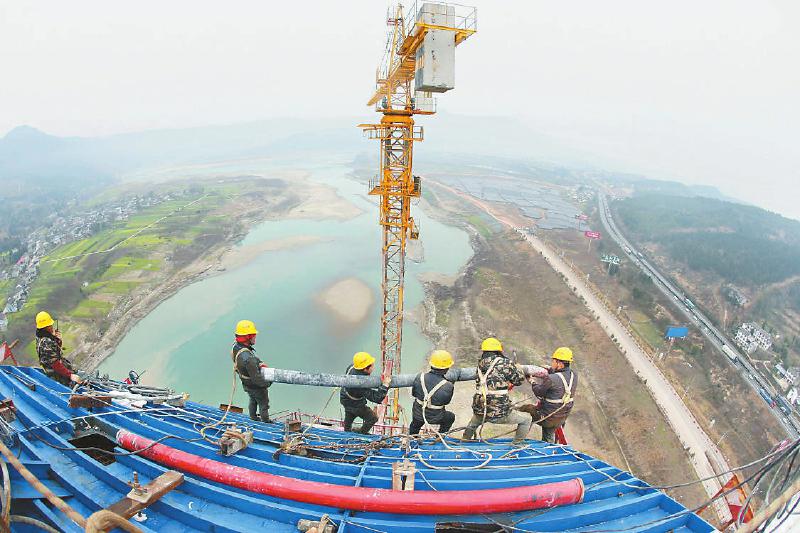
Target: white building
(788,376)
(750,337)
(792,396)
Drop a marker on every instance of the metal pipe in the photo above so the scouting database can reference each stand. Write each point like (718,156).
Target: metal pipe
(60,504)
(296,377)
(361,499)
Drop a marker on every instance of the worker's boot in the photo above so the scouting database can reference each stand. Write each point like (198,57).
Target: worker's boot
(469,434)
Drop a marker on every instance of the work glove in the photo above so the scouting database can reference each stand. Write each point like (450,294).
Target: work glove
(528,408)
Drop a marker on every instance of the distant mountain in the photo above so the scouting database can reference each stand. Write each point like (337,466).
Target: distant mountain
(645,186)
(741,244)
(35,159)
(29,157)
(503,137)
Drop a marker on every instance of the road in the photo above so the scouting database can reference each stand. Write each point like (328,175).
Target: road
(679,299)
(696,441)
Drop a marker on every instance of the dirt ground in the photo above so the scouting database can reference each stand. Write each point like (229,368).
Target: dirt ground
(715,392)
(509,291)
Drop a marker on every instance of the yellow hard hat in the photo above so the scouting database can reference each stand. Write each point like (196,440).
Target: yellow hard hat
(246,327)
(491,345)
(43,319)
(563,354)
(362,360)
(441,359)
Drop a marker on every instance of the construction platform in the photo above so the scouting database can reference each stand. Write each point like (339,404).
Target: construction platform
(46,432)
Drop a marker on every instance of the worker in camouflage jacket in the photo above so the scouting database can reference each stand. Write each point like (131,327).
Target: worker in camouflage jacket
(50,351)
(497,375)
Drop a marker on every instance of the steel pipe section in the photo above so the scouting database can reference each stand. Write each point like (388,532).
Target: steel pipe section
(295,377)
(362,499)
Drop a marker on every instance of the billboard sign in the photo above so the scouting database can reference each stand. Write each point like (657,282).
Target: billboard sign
(594,235)
(674,332)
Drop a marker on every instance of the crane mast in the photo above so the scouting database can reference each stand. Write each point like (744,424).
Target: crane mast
(419,60)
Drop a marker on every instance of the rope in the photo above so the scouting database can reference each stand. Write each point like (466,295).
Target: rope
(224,415)
(6,522)
(27,520)
(319,415)
(104,520)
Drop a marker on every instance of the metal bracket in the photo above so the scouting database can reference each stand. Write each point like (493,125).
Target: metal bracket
(88,401)
(403,473)
(323,525)
(142,496)
(7,410)
(234,440)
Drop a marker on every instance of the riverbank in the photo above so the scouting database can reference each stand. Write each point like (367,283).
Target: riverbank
(301,198)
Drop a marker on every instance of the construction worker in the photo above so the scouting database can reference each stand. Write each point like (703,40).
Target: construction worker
(497,375)
(50,351)
(354,400)
(556,394)
(248,366)
(432,392)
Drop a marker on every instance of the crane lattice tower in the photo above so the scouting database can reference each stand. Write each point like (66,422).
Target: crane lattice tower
(419,60)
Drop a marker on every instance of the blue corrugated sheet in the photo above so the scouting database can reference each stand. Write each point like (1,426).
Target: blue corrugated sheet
(675,332)
(197,504)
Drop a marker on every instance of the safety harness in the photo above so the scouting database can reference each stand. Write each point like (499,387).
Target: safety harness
(346,393)
(567,397)
(235,357)
(427,396)
(483,387)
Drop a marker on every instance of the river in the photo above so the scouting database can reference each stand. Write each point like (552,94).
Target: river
(185,342)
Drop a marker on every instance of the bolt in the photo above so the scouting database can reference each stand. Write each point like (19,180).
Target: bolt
(137,488)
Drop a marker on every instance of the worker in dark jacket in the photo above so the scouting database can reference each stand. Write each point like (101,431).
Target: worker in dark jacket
(556,393)
(497,375)
(50,351)
(432,393)
(354,400)
(248,366)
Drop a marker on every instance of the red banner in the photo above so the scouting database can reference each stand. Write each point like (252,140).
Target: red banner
(6,352)
(592,234)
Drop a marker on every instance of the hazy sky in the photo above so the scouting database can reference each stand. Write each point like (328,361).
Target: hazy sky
(705,91)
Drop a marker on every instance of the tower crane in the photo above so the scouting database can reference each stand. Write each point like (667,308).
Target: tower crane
(419,60)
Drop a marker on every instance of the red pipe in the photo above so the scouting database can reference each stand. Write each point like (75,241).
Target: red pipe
(421,502)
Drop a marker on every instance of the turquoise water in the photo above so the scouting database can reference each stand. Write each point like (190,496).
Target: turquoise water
(185,342)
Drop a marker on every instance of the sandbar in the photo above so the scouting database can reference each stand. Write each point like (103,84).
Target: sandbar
(241,255)
(349,300)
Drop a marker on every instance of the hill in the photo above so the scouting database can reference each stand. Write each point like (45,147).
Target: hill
(741,244)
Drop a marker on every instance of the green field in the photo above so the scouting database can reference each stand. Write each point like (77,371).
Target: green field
(78,281)
(91,309)
(645,327)
(5,286)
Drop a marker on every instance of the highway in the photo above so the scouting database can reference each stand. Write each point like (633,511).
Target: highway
(706,327)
